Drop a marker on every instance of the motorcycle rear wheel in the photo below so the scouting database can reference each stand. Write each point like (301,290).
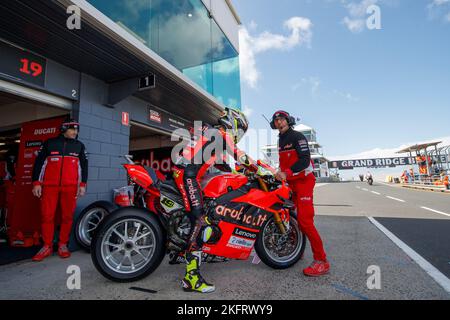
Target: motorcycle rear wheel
(128,245)
(278,251)
(88,221)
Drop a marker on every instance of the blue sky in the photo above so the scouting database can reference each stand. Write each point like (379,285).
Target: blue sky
(361,89)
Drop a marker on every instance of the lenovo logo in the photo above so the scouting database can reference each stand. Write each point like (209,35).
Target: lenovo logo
(244,233)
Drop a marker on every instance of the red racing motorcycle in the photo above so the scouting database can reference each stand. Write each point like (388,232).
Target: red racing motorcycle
(251,211)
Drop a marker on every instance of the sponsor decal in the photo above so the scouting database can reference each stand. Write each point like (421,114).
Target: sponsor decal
(241,217)
(155,116)
(28,154)
(193,191)
(244,233)
(288,146)
(33,144)
(167,202)
(74,154)
(239,243)
(38,132)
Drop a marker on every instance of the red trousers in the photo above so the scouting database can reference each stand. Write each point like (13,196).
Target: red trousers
(303,190)
(65,196)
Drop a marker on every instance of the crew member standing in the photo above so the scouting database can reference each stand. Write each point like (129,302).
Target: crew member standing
(59,177)
(297,168)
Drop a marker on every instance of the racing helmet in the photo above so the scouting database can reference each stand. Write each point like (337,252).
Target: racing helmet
(235,122)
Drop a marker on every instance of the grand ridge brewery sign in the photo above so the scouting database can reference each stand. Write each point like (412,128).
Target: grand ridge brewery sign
(375,163)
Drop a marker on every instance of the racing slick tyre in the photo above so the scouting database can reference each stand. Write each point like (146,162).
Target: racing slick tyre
(88,221)
(280,251)
(129,245)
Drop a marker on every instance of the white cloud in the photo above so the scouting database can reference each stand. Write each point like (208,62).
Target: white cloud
(439,8)
(312,82)
(437,3)
(253,25)
(301,34)
(247,111)
(346,95)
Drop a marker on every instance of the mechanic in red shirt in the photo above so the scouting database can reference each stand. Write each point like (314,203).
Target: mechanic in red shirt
(297,168)
(59,177)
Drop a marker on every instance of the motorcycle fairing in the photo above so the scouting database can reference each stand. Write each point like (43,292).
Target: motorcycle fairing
(237,242)
(217,185)
(263,200)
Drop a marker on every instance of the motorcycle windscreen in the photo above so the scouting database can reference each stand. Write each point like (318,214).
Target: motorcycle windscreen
(140,175)
(236,242)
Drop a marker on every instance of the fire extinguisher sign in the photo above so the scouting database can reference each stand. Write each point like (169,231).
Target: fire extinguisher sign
(125,118)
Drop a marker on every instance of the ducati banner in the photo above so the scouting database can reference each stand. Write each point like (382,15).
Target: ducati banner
(24,211)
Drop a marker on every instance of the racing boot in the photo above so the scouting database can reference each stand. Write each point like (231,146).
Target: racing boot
(45,252)
(193,281)
(317,269)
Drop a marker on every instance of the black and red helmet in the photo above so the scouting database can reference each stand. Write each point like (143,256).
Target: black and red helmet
(282,114)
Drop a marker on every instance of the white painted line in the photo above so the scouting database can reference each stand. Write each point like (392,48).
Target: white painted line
(392,185)
(438,276)
(358,187)
(321,184)
(435,211)
(377,193)
(400,200)
(364,189)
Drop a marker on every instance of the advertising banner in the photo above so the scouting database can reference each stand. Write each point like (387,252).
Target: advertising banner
(379,162)
(163,120)
(158,159)
(371,163)
(24,211)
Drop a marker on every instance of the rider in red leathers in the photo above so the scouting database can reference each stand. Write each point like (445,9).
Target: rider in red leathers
(297,168)
(190,167)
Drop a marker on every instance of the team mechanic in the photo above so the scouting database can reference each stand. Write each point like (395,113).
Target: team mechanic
(59,177)
(297,168)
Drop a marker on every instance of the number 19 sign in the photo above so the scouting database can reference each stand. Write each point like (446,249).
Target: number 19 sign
(22,65)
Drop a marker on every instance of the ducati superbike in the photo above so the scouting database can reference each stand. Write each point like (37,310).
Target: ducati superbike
(246,212)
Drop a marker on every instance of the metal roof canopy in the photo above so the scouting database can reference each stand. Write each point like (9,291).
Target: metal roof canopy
(419,147)
(104,50)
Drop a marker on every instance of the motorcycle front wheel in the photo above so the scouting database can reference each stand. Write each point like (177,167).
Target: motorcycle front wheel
(128,245)
(280,251)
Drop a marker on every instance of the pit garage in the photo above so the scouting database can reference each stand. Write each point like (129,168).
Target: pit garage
(151,148)
(27,118)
